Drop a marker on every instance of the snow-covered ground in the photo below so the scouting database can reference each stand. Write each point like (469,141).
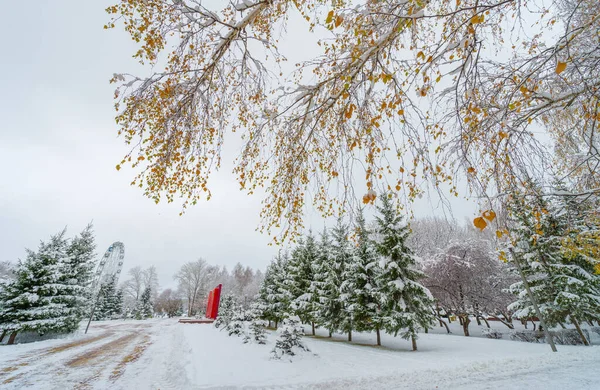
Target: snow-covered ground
(163,354)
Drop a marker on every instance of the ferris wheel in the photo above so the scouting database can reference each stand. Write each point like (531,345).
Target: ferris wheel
(110,265)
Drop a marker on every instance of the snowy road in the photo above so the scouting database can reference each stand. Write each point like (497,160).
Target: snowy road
(162,354)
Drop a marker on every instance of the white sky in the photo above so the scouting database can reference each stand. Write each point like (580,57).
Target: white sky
(58,150)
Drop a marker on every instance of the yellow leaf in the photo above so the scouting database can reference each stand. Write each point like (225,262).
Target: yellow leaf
(329,17)
(490,215)
(471,170)
(477,19)
(597,269)
(502,134)
(118,167)
(338,20)
(499,233)
(560,67)
(502,256)
(480,223)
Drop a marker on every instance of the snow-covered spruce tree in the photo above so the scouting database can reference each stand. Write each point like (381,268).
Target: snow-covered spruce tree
(77,271)
(299,277)
(562,281)
(289,340)
(110,301)
(320,267)
(38,299)
(342,251)
(146,309)
(406,305)
(360,281)
(227,309)
(237,325)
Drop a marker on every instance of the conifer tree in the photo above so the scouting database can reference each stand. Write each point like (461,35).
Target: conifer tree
(227,309)
(299,277)
(290,338)
(360,279)
(146,309)
(318,283)
(406,305)
(342,288)
(563,282)
(38,300)
(77,271)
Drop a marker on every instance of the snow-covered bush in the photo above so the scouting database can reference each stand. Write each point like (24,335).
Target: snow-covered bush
(491,333)
(561,337)
(256,332)
(237,325)
(290,339)
(227,309)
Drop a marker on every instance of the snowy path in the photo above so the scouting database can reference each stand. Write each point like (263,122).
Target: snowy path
(162,354)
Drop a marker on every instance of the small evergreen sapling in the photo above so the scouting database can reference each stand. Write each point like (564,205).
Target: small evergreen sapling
(290,339)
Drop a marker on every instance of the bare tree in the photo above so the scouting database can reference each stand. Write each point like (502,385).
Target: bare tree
(150,278)
(193,278)
(168,302)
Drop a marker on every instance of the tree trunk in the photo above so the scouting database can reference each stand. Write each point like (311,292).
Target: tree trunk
(533,323)
(426,330)
(330,334)
(562,325)
(449,319)
(465,324)
(11,339)
(460,321)
(508,324)
(583,338)
(276,322)
(524,323)
(484,319)
(349,335)
(414,342)
(313,328)
(479,322)
(3,334)
(378,336)
(443,323)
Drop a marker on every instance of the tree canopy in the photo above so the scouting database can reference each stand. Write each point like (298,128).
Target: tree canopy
(402,93)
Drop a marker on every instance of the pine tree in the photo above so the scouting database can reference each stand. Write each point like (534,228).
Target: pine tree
(227,309)
(110,301)
(318,284)
(562,281)
(145,306)
(300,275)
(405,304)
(360,280)
(38,300)
(77,271)
(342,289)
(237,325)
(290,338)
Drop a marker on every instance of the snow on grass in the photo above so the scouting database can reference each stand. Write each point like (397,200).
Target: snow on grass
(169,355)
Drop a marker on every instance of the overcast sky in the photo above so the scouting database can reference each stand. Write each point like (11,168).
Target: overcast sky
(58,150)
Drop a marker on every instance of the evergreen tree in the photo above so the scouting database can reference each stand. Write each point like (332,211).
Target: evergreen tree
(318,286)
(360,280)
(290,338)
(110,301)
(146,309)
(562,281)
(299,277)
(341,287)
(404,303)
(38,300)
(77,271)
(227,309)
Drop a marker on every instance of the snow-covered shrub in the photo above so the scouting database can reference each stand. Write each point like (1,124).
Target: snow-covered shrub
(227,309)
(290,339)
(237,325)
(528,336)
(492,333)
(569,336)
(561,337)
(256,332)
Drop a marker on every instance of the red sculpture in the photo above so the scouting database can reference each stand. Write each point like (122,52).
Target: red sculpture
(212,307)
